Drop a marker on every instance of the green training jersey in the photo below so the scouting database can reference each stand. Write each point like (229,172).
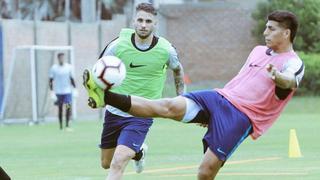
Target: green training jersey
(146,69)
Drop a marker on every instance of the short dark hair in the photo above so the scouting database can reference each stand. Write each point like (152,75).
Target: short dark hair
(147,7)
(60,54)
(287,20)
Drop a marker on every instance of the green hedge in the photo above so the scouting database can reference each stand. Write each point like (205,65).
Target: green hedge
(308,13)
(310,84)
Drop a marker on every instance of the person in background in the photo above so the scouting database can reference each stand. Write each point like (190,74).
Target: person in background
(62,87)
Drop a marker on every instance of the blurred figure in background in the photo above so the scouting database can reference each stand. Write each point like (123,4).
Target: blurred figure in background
(62,85)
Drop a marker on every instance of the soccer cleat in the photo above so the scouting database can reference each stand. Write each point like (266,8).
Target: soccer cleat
(96,94)
(139,165)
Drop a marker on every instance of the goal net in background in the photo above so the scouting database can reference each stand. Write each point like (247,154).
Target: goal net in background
(26,89)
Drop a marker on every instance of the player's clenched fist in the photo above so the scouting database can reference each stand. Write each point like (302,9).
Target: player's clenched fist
(272,71)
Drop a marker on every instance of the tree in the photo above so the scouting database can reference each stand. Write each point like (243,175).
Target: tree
(308,13)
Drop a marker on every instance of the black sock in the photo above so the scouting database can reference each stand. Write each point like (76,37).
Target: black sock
(122,102)
(138,156)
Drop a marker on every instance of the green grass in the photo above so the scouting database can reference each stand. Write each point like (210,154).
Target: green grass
(44,152)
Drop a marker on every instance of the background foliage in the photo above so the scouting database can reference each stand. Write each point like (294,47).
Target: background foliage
(308,13)
(310,84)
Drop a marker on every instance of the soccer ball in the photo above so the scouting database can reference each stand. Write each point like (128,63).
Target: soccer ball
(108,72)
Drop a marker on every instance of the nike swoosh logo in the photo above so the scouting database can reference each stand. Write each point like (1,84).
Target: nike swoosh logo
(135,145)
(135,66)
(220,151)
(254,65)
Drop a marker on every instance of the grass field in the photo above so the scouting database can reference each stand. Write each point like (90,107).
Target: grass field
(175,150)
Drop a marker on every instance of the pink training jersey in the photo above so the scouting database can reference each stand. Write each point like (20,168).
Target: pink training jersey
(254,93)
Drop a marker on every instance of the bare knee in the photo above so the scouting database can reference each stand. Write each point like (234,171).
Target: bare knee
(119,161)
(175,107)
(206,172)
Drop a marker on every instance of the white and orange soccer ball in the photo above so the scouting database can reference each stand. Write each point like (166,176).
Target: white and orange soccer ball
(108,72)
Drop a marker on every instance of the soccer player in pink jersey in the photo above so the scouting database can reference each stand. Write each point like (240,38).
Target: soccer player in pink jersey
(247,105)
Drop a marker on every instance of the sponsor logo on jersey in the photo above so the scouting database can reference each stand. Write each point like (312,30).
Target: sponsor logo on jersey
(136,65)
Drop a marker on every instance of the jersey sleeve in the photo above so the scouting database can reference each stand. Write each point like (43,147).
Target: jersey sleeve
(173,61)
(296,67)
(111,48)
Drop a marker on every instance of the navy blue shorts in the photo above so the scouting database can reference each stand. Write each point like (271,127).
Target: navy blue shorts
(127,131)
(63,99)
(227,126)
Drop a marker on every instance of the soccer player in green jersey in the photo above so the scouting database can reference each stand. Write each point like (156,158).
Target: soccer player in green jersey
(146,57)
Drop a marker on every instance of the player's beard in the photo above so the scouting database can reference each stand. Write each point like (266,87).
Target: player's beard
(144,36)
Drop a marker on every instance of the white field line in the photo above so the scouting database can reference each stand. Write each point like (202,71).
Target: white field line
(196,166)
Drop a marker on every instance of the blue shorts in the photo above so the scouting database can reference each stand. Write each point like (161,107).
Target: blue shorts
(227,126)
(63,99)
(127,131)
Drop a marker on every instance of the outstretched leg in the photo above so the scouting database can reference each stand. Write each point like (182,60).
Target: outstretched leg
(173,108)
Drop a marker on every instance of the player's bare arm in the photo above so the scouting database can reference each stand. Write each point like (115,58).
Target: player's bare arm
(178,73)
(178,80)
(284,80)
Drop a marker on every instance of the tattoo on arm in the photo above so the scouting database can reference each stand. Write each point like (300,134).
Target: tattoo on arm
(178,80)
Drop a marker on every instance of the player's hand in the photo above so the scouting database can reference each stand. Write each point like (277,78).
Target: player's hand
(272,71)
(53,96)
(75,93)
